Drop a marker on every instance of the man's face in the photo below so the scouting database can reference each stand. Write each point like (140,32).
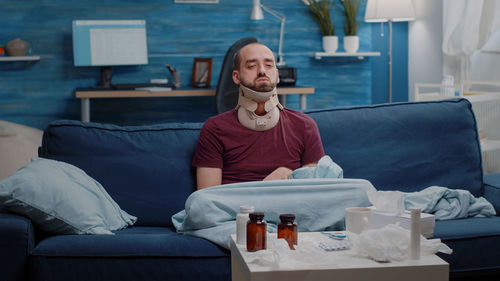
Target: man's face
(257,69)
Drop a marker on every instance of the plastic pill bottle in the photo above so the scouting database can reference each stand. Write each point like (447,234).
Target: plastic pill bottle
(287,229)
(256,232)
(241,224)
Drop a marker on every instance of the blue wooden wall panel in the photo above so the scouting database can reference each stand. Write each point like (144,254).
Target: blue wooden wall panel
(380,65)
(36,93)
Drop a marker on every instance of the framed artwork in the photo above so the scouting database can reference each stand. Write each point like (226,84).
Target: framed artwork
(202,72)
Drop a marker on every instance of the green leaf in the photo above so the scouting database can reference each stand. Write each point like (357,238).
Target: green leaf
(320,11)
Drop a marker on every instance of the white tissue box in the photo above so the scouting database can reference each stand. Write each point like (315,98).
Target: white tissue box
(381,219)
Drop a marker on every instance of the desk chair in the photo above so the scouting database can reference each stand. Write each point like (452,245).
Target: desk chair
(226,93)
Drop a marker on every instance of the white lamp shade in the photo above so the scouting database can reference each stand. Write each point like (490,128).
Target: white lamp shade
(256,11)
(389,10)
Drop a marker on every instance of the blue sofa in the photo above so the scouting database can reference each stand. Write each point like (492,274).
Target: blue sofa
(147,171)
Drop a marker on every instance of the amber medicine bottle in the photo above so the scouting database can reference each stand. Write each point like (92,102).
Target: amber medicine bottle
(287,229)
(256,232)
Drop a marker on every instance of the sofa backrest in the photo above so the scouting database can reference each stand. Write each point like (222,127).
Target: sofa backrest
(405,146)
(146,169)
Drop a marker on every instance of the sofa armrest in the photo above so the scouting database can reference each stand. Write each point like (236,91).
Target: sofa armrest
(492,190)
(17,239)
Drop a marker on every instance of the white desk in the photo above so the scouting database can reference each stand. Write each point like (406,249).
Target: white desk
(342,265)
(85,96)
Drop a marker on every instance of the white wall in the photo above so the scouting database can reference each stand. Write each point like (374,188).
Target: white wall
(425,36)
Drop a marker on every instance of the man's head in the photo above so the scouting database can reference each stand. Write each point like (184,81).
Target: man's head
(255,68)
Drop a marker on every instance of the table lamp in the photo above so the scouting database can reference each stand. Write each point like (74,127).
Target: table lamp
(258,15)
(389,11)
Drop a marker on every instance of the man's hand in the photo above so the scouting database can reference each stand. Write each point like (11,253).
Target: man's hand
(282,173)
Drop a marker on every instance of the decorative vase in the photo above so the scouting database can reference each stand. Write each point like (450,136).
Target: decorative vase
(16,47)
(351,43)
(330,43)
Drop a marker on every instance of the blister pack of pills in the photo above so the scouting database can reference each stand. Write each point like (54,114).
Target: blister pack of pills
(335,245)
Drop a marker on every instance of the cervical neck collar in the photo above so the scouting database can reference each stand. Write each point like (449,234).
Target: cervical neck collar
(247,104)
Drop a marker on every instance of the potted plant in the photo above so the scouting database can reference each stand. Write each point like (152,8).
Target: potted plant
(320,11)
(351,38)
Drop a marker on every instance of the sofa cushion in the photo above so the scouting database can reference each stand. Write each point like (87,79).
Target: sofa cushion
(492,190)
(471,240)
(61,199)
(146,169)
(467,228)
(43,268)
(137,241)
(135,253)
(405,146)
(16,242)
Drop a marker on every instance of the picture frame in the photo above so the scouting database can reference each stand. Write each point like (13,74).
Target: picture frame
(202,72)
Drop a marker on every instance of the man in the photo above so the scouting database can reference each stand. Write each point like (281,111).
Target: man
(259,140)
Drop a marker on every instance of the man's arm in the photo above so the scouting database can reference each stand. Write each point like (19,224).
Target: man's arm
(206,177)
(281,173)
(313,164)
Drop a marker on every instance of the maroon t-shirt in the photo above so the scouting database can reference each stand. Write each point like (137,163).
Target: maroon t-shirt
(247,155)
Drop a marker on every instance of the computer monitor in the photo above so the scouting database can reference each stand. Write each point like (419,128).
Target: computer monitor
(108,43)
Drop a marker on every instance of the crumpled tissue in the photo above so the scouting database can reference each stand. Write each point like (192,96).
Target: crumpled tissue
(391,243)
(279,256)
(387,201)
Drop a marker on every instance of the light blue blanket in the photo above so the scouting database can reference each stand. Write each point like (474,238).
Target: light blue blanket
(316,195)
(318,204)
(444,203)
(448,204)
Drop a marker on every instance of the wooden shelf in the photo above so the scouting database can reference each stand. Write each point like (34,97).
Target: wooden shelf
(19,58)
(361,55)
(86,94)
(182,92)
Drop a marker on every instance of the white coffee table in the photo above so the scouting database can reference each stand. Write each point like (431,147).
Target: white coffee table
(342,265)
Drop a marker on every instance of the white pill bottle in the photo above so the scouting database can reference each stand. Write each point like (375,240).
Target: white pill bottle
(241,223)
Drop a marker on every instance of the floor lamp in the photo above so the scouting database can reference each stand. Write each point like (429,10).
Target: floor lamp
(258,15)
(389,11)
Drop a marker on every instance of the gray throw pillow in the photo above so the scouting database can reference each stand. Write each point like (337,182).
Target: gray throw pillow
(60,198)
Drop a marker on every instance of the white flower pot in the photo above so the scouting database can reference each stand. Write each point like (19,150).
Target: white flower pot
(351,44)
(330,44)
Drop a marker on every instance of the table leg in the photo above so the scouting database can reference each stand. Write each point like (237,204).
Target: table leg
(303,101)
(236,273)
(85,110)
